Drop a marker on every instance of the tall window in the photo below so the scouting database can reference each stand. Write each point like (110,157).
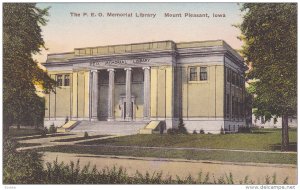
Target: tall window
(193,74)
(203,73)
(67,80)
(227,106)
(59,80)
(228,75)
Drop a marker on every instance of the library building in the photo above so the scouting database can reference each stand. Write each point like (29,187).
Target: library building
(201,83)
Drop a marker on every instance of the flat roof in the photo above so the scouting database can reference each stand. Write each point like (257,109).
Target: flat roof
(167,45)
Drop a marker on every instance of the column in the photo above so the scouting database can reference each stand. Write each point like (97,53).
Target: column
(146,93)
(94,95)
(111,87)
(128,94)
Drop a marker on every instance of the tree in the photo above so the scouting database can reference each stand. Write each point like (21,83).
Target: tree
(269,32)
(21,39)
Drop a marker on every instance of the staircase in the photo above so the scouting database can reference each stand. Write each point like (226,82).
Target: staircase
(110,127)
(68,126)
(153,127)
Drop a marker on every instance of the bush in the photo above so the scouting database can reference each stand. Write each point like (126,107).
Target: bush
(179,130)
(195,132)
(202,131)
(244,130)
(172,131)
(52,129)
(44,132)
(67,120)
(21,167)
(181,127)
(222,132)
(86,135)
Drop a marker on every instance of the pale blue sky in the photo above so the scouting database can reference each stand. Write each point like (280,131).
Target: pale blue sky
(64,33)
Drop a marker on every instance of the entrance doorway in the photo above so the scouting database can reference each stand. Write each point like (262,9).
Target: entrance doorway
(123,108)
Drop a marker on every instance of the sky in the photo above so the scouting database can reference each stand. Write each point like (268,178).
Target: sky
(64,31)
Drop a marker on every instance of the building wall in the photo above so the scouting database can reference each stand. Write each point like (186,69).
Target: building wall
(201,104)
(162,94)
(234,109)
(202,101)
(59,105)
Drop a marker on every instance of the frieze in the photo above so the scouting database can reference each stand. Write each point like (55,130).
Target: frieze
(117,62)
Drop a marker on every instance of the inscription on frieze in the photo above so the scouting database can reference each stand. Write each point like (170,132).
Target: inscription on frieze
(120,62)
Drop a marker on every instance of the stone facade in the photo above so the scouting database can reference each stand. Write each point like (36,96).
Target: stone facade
(200,82)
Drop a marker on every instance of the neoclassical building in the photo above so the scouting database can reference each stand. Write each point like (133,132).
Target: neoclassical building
(200,82)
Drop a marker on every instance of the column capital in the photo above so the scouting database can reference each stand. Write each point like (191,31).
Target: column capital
(146,68)
(128,69)
(111,70)
(94,71)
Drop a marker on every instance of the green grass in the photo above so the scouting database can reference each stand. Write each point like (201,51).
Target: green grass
(262,139)
(78,138)
(28,144)
(218,155)
(14,132)
(40,137)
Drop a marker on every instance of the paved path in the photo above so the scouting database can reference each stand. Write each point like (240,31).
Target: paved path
(49,141)
(182,168)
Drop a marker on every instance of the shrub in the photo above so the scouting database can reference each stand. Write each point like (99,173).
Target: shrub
(86,135)
(52,129)
(244,130)
(172,131)
(181,127)
(179,130)
(222,132)
(195,132)
(44,132)
(21,167)
(202,131)
(67,120)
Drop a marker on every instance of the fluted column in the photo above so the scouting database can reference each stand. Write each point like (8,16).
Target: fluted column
(128,95)
(146,93)
(111,87)
(94,98)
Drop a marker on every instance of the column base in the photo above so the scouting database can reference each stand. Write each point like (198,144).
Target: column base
(146,118)
(94,119)
(128,119)
(110,119)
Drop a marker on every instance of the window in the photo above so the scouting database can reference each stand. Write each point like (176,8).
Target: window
(59,80)
(227,106)
(193,74)
(228,75)
(203,73)
(67,80)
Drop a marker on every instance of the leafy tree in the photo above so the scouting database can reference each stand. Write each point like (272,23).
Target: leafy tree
(21,39)
(269,32)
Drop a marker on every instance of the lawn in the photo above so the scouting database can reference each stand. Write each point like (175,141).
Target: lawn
(262,139)
(217,155)
(79,138)
(40,136)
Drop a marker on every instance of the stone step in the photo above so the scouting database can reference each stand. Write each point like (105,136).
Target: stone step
(152,127)
(110,127)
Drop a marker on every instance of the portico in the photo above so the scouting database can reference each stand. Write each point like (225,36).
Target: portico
(127,100)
